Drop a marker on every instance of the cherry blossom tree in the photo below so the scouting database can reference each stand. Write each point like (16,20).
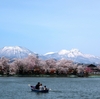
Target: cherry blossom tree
(64,65)
(4,65)
(51,63)
(51,66)
(19,64)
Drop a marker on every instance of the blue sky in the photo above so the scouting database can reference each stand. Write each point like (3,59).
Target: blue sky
(51,25)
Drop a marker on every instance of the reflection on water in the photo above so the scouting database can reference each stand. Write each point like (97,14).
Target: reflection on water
(61,88)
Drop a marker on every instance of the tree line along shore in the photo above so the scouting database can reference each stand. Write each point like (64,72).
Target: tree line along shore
(32,66)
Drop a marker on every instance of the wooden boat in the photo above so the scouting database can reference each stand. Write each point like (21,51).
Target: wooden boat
(37,90)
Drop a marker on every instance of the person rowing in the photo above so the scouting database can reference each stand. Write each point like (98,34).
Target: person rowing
(38,85)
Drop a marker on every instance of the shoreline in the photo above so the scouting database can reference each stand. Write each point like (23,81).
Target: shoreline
(67,76)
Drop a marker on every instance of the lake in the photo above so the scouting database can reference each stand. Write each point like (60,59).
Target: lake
(61,88)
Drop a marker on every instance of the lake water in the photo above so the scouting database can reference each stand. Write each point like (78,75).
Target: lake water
(61,88)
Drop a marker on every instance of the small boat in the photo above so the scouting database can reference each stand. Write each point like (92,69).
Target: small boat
(37,90)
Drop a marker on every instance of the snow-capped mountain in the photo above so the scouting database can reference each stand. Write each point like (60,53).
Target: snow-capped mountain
(14,52)
(74,55)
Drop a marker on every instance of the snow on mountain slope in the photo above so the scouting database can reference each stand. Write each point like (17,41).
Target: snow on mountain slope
(49,53)
(14,52)
(71,53)
(74,55)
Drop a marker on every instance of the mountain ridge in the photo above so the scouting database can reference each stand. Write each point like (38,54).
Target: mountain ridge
(73,54)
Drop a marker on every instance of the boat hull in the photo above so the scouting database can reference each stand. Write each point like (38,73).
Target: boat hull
(41,91)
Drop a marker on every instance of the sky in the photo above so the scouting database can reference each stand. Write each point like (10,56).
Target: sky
(51,25)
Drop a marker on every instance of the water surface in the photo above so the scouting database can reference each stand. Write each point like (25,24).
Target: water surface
(61,88)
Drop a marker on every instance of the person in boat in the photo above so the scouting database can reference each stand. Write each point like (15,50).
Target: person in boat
(38,85)
(41,87)
(45,88)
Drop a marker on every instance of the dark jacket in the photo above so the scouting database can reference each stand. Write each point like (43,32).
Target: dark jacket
(37,86)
